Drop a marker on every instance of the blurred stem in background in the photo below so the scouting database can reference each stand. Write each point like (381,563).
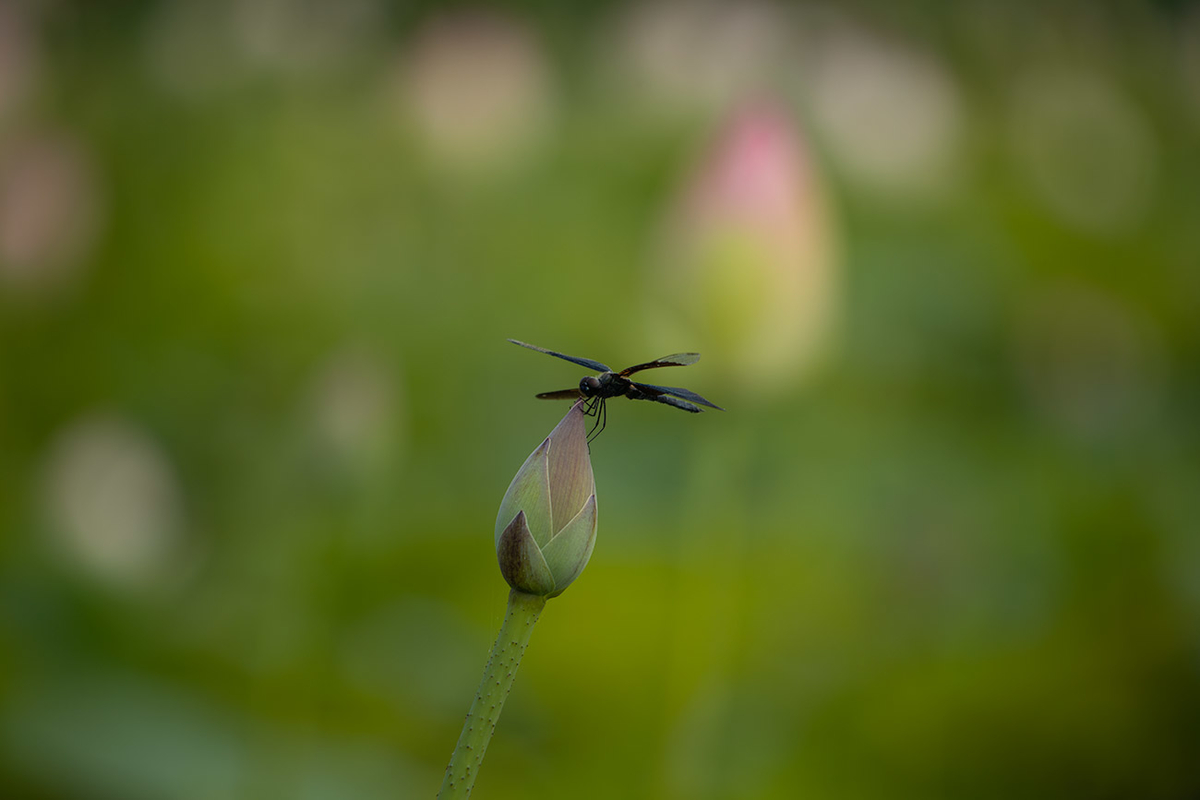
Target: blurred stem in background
(708,618)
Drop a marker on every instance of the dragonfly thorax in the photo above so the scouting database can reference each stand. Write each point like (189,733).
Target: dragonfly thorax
(606,384)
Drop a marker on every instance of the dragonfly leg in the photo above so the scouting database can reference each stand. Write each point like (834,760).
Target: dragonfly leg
(601,421)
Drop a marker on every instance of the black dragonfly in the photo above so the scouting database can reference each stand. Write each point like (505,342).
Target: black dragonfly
(610,383)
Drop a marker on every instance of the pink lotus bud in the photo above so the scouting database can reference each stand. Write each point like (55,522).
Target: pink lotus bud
(747,274)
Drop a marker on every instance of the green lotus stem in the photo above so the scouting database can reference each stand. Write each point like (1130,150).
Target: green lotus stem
(498,676)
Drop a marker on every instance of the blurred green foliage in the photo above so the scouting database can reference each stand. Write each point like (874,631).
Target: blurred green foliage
(257,265)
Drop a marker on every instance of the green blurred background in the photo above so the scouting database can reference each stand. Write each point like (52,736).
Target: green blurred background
(258,261)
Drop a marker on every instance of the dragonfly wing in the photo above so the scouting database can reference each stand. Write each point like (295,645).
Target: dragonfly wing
(681,393)
(562,394)
(583,362)
(677,360)
(663,397)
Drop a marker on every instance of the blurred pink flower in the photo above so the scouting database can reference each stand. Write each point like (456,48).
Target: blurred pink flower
(19,57)
(49,212)
(747,273)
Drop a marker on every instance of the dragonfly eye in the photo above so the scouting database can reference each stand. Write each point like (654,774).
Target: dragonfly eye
(588,385)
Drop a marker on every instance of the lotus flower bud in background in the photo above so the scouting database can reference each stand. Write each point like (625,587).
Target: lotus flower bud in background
(747,273)
(546,527)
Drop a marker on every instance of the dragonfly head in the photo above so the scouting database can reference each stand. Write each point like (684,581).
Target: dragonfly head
(589,386)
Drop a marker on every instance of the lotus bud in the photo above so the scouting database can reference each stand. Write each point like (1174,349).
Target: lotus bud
(748,272)
(546,527)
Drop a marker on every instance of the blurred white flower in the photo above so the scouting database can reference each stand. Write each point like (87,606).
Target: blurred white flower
(696,54)
(114,502)
(304,34)
(747,273)
(1085,148)
(49,212)
(189,47)
(476,88)
(353,402)
(889,115)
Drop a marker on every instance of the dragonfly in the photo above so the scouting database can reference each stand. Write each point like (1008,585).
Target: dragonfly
(596,389)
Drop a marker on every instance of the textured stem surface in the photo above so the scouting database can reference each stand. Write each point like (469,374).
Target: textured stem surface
(498,676)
